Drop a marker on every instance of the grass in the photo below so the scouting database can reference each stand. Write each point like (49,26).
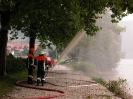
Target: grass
(7,83)
(118,87)
(100,81)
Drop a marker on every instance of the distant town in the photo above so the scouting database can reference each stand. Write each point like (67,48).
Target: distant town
(18,47)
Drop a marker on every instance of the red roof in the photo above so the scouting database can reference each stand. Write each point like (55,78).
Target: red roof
(17,46)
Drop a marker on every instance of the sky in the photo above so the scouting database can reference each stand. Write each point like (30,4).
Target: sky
(127,18)
(127,36)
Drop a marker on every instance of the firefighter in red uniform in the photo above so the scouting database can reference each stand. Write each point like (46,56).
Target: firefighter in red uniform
(50,61)
(30,65)
(41,63)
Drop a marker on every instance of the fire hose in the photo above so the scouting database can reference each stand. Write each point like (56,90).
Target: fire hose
(62,93)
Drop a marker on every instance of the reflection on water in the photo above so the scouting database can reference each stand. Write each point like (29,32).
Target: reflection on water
(125,71)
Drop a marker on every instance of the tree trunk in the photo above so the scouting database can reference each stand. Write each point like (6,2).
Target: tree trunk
(5,20)
(32,36)
(32,42)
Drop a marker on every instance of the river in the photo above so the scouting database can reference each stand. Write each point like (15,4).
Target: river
(124,70)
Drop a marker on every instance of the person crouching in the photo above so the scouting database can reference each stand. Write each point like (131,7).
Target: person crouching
(41,62)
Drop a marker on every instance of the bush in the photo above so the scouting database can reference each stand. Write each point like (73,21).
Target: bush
(86,67)
(14,65)
(99,80)
(118,87)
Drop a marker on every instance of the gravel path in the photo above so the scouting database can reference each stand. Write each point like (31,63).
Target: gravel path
(73,83)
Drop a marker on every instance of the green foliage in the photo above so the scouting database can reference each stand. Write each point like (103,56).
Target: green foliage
(99,80)
(15,65)
(86,67)
(118,87)
(120,8)
(65,18)
(7,83)
(6,88)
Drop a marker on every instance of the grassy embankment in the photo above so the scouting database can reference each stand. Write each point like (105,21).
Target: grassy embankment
(118,87)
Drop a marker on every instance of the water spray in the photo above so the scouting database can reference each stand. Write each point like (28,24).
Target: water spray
(74,41)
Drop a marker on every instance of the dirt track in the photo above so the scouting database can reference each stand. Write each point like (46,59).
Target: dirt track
(73,83)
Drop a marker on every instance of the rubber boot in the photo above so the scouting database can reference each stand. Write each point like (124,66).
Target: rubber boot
(42,82)
(38,81)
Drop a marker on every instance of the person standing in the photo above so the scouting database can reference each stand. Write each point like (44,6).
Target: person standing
(30,65)
(50,61)
(41,63)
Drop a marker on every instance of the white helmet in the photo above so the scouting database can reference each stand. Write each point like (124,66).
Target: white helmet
(41,53)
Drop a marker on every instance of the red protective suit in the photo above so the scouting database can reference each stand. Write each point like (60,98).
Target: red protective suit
(30,67)
(41,62)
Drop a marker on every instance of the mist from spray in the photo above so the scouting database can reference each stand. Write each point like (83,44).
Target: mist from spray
(100,51)
(71,45)
(95,51)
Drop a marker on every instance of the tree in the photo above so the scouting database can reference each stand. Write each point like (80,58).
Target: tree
(9,18)
(5,26)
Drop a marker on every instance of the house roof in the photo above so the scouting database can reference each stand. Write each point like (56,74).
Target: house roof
(17,46)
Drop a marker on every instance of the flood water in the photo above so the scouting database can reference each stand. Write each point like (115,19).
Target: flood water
(124,70)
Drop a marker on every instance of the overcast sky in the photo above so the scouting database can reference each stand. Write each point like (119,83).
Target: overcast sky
(129,17)
(127,36)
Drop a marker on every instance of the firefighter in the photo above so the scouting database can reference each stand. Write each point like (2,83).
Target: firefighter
(41,63)
(30,65)
(50,61)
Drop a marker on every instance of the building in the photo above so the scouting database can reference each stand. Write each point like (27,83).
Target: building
(17,47)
